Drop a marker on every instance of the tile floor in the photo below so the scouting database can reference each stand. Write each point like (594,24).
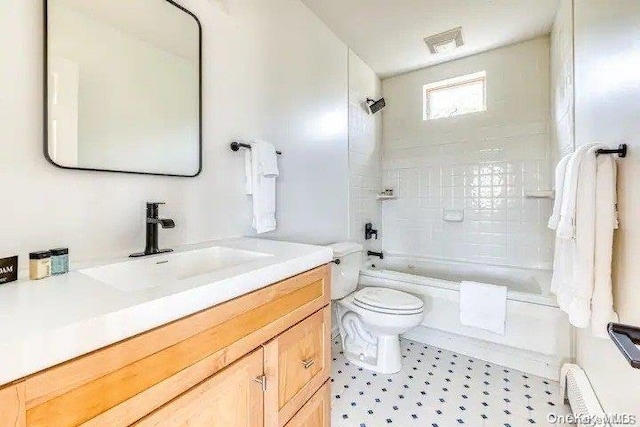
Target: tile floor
(438,388)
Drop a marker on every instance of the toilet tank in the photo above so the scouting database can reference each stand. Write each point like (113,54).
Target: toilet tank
(344,275)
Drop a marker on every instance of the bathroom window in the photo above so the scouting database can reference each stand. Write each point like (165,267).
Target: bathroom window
(456,96)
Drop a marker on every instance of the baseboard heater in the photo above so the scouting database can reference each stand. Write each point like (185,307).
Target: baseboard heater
(579,393)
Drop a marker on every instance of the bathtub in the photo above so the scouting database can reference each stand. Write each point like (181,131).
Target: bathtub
(538,335)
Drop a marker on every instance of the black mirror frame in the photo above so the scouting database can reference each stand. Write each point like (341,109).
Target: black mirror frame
(46,101)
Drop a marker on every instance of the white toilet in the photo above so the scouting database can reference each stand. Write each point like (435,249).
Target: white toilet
(371,319)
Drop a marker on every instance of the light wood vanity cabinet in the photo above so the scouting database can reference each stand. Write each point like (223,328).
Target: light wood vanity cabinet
(262,359)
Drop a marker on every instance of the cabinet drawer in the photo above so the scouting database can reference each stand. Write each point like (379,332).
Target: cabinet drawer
(229,398)
(297,363)
(316,412)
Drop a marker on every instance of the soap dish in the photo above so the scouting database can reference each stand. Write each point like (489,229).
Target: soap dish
(387,195)
(540,194)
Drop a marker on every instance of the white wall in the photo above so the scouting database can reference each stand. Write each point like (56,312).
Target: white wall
(272,70)
(607,106)
(562,83)
(481,163)
(365,153)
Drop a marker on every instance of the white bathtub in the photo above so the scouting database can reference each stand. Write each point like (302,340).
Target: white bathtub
(538,335)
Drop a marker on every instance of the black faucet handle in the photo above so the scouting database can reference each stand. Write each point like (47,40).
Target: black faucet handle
(167,223)
(156,204)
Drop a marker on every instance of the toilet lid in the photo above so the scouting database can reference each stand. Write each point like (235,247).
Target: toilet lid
(388,300)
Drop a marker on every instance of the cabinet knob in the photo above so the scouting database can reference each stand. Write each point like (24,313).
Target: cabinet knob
(308,363)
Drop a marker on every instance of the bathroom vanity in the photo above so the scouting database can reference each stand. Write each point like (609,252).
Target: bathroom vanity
(257,354)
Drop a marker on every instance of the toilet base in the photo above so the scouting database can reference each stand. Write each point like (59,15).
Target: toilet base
(371,339)
(387,358)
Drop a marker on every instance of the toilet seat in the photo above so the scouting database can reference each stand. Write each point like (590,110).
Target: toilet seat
(387,301)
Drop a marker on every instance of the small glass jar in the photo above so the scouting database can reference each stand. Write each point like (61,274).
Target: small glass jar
(39,265)
(59,261)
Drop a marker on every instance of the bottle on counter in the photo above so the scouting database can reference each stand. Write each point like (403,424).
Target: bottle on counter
(59,261)
(39,265)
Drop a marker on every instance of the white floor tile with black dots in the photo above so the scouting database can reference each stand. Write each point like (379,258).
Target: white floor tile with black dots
(438,388)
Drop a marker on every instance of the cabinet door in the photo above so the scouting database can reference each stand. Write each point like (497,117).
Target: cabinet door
(231,398)
(12,409)
(316,412)
(297,364)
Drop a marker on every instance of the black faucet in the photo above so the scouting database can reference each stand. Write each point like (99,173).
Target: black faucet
(151,247)
(369,232)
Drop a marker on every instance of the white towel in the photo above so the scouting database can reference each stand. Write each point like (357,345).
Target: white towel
(584,240)
(602,311)
(563,260)
(248,170)
(561,172)
(263,177)
(585,233)
(562,279)
(563,255)
(267,158)
(566,225)
(483,306)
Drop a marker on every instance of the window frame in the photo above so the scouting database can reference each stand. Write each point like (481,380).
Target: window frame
(455,82)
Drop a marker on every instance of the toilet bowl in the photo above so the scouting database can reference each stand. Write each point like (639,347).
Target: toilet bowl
(370,319)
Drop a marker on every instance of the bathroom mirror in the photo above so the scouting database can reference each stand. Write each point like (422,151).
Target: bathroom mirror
(123,87)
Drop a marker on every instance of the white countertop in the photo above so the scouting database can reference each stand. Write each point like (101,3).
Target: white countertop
(47,322)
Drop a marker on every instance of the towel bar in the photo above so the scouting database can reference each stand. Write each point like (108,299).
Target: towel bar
(626,339)
(235,146)
(621,151)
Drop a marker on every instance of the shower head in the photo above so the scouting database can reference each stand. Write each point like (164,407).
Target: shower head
(375,106)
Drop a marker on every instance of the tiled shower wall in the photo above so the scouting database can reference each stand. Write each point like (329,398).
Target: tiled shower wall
(481,164)
(365,153)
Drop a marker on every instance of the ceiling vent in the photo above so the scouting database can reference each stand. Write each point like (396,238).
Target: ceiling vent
(446,41)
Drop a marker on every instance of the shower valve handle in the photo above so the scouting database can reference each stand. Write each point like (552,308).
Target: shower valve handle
(369,232)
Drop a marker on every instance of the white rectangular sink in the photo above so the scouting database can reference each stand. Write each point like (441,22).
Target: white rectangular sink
(159,270)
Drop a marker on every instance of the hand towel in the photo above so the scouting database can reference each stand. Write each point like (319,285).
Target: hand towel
(566,225)
(561,171)
(267,158)
(483,306)
(263,176)
(602,311)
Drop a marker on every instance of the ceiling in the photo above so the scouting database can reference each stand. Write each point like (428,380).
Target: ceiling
(388,34)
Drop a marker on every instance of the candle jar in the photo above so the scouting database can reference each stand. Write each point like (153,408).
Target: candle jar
(59,261)
(39,265)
